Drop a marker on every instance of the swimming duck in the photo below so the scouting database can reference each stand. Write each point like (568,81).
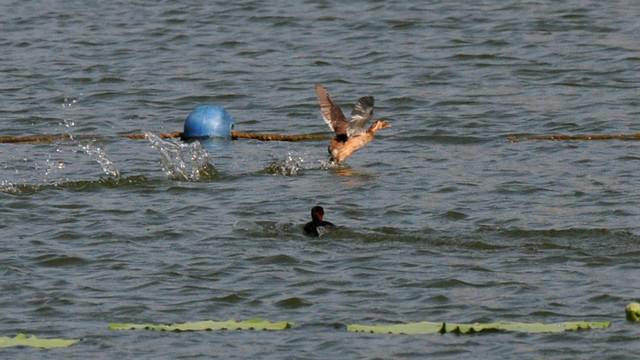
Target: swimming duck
(317,226)
(350,136)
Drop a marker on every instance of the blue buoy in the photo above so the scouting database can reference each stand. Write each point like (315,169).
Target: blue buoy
(208,121)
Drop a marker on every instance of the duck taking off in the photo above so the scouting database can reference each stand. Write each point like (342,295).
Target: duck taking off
(350,136)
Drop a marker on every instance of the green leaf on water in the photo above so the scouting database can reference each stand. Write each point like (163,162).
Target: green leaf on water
(23,340)
(252,324)
(427,327)
(633,312)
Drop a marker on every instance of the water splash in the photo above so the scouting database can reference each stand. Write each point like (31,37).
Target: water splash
(52,166)
(68,123)
(329,164)
(183,161)
(290,166)
(69,102)
(98,154)
(8,187)
(25,188)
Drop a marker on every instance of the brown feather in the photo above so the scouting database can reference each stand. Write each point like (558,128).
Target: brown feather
(341,150)
(331,112)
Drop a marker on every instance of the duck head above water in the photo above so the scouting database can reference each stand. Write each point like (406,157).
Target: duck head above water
(317,213)
(317,226)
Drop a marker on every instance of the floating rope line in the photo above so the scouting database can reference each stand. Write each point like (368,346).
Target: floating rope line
(279,137)
(575,137)
(234,135)
(162,136)
(33,139)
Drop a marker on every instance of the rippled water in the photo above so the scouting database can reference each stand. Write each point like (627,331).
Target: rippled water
(441,218)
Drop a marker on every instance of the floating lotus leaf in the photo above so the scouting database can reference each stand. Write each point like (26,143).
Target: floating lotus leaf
(427,327)
(23,340)
(252,324)
(633,312)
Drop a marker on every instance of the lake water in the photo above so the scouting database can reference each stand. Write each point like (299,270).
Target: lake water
(441,217)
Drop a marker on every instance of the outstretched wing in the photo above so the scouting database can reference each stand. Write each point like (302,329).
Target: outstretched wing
(331,113)
(360,115)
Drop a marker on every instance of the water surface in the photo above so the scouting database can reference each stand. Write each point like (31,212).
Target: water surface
(441,218)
